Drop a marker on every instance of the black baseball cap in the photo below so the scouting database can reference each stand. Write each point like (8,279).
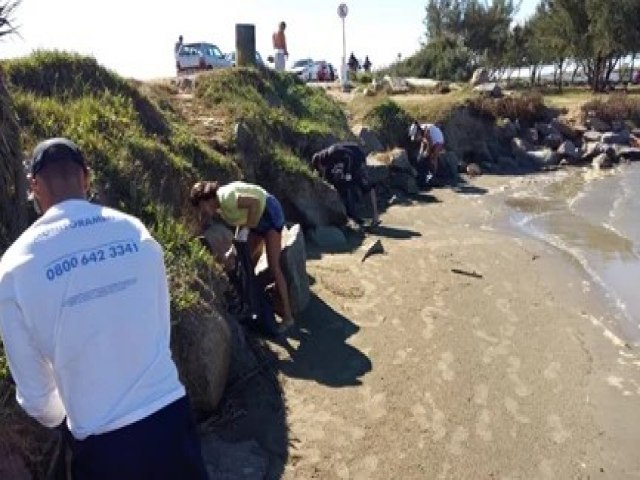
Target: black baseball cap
(55,149)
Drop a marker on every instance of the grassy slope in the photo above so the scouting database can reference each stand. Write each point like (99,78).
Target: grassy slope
(146,151)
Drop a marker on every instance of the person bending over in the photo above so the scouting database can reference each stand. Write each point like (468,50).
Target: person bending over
(344,165)
(258,218)
(431,140)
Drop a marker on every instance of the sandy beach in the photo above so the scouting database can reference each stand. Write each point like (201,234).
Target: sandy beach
(467,350)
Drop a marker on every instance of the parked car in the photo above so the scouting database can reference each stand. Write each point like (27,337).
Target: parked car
(231,56)
(305,69)
(202,55)
(324,72)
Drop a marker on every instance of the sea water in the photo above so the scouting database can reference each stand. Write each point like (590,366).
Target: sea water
(595,217)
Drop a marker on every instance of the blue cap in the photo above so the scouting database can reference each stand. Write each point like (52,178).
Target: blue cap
(53,150)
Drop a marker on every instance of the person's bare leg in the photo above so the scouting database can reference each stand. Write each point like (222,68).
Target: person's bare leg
(273,241)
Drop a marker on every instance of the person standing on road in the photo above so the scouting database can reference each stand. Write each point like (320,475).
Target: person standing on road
(84,317)
(280,52)
(431,141)
(367,64)
(344,165)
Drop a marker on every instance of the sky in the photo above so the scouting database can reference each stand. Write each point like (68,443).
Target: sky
(135,38)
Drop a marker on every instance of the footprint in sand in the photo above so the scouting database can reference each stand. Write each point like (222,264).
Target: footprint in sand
(435,424)
(401,357)
(488,290)
(397,324)
(366,468)
(481,394)
(485,336)
(494,351)
(514,409)
(483,425)
(373,404)
(552,371)
(444,365)
(459,437)
(558,432)
(522,390)
(505,307)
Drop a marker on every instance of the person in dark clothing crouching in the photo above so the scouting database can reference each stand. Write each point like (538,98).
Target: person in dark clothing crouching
(344,166)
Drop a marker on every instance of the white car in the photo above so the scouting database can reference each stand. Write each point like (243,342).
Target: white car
(305,69)
(202,55)
(231,56)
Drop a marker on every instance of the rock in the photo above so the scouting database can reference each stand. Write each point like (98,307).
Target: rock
(567,150)
(592,136)
(374,248)
(492,90)
(602,161)
(368,139)
(598,125)
(474,170)
(219,239)
(244,460)
(565,129)
(310,201)
(617,126)
(396,84)
(532,136)
(630,154)
(452,162)
(508,129)
(201,347)
(480,76)
(545,129)
(553,141)
(612,138)
(591,150)
(399,161)
(508,164)
(378,169)
(404,181)
(545,157)
(293,261)
(328,237)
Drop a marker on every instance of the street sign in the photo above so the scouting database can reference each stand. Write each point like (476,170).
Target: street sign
(343,10)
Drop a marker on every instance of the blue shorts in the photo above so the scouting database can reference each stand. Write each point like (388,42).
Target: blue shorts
(272,217)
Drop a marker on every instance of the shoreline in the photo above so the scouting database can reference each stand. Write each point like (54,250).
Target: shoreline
(409,370)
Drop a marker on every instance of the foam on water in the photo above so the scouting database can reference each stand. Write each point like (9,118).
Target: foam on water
(595,219)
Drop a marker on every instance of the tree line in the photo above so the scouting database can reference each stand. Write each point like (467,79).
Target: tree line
(591,35)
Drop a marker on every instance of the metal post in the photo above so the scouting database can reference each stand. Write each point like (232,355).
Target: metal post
(245,45)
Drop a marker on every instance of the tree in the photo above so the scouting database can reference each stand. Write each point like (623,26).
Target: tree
(7,10)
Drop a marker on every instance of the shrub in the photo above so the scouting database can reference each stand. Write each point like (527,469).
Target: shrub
(617,107)
(390,123)
(527,108)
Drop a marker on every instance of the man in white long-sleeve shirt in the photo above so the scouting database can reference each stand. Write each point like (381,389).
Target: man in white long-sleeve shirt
(84,316)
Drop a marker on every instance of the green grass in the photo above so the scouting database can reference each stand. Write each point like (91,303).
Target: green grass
(143,158)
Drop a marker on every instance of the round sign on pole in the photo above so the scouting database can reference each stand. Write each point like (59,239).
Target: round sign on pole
(343,10)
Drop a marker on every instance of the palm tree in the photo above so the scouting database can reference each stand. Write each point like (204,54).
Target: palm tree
(7,9)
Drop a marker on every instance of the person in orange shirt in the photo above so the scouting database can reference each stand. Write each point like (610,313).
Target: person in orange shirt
(280,47)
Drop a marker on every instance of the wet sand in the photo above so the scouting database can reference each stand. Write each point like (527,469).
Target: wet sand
(465,351)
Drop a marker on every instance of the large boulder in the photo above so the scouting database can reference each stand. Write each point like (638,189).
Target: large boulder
(452,163)
(399,161)
(598,125)
(201,347)
(13,467)
(368,139)
(404,181)
(480,76)
(293,261)
(328,237)
(629,154)
(591,150)
(240,460)
(310,201)
(219,239)
(396,84)
(378,168)
(616,138)
(492,90)
(567,150)
(602,161)
(592,136)
(566,130)
(553,140)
